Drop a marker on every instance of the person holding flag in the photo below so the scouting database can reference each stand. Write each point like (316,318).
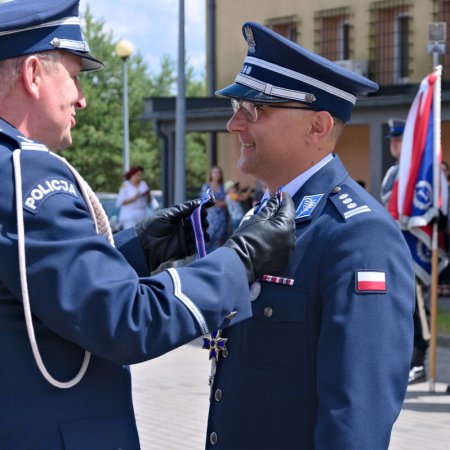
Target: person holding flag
(418,200)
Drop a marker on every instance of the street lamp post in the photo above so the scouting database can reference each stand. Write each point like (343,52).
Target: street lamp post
(124,49)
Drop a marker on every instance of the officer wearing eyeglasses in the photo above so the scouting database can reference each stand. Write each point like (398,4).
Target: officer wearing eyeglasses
(323,362)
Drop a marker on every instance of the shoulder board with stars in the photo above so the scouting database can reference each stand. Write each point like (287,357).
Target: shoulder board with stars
(348,202)
(14,135)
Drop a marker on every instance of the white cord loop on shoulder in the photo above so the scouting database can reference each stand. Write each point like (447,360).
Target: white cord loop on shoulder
(102,227)
(96,210)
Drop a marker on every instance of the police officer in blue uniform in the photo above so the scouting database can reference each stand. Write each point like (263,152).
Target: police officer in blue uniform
(323,362)
(395,136)
(76,304)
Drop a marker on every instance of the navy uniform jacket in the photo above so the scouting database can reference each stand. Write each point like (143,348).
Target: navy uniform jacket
(322,364)
(84,294)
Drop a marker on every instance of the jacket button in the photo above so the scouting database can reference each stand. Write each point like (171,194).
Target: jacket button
(268,311)
(336,189)
(213,438)
(218,395)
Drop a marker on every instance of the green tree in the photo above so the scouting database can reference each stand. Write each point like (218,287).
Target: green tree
(98,137)
(196,160)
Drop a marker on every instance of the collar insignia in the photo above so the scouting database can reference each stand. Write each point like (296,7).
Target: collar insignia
(307,205)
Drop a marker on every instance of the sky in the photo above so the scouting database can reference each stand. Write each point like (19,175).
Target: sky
(152,27)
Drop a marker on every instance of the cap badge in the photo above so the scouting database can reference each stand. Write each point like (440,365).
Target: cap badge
(250,39)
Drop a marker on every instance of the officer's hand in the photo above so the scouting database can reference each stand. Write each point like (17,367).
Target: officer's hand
(168,236)
(265,241)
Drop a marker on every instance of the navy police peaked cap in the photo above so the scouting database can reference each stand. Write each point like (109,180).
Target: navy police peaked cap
(31,26)
(396,128)
(278,70)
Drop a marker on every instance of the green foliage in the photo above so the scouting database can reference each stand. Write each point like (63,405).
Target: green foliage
(98,137)
(162,83)
(196,160)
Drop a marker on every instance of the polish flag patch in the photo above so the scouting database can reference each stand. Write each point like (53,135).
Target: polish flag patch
(370,281)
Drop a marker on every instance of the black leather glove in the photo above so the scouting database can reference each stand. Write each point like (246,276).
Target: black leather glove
(265,241)
(168,236)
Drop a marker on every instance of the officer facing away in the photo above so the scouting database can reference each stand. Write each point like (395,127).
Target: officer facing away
(73,309)
(323,362)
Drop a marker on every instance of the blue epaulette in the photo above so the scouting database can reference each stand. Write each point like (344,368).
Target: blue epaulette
(18,139)
(348,202)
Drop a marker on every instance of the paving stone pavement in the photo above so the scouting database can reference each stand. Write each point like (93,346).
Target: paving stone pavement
(171,404)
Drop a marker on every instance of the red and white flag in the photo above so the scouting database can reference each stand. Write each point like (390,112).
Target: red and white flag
(370,281)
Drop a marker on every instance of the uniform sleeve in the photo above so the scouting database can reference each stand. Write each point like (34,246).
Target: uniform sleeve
(366,335)
(84,290)
(127,243)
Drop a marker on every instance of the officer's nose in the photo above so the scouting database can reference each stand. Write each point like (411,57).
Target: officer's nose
(81,101)
(238,122)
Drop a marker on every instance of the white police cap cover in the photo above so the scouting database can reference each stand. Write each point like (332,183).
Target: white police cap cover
(396,127)
(278,70)
(31,26)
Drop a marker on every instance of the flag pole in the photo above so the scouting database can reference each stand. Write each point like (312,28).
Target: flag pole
(434,249)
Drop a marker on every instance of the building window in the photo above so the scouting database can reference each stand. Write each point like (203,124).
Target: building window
(441,13)
(401,47)
(286,26)
(390,50)
(333,33)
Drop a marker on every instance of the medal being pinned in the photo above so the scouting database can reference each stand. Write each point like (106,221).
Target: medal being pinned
(215,344)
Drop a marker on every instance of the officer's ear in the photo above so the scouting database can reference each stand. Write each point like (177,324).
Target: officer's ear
(321,126)
(32,76)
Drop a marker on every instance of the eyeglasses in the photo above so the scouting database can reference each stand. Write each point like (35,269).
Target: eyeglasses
(250,109)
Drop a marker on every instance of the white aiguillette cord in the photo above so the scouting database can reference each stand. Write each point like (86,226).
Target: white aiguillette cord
(102,227)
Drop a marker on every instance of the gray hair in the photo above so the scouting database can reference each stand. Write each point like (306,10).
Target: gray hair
(338,128)
(10,69)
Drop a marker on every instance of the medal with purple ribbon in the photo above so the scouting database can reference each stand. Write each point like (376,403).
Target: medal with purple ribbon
(196,221)
(215,343)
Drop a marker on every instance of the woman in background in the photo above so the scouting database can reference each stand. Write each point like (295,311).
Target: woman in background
(134,197)
(217,215)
